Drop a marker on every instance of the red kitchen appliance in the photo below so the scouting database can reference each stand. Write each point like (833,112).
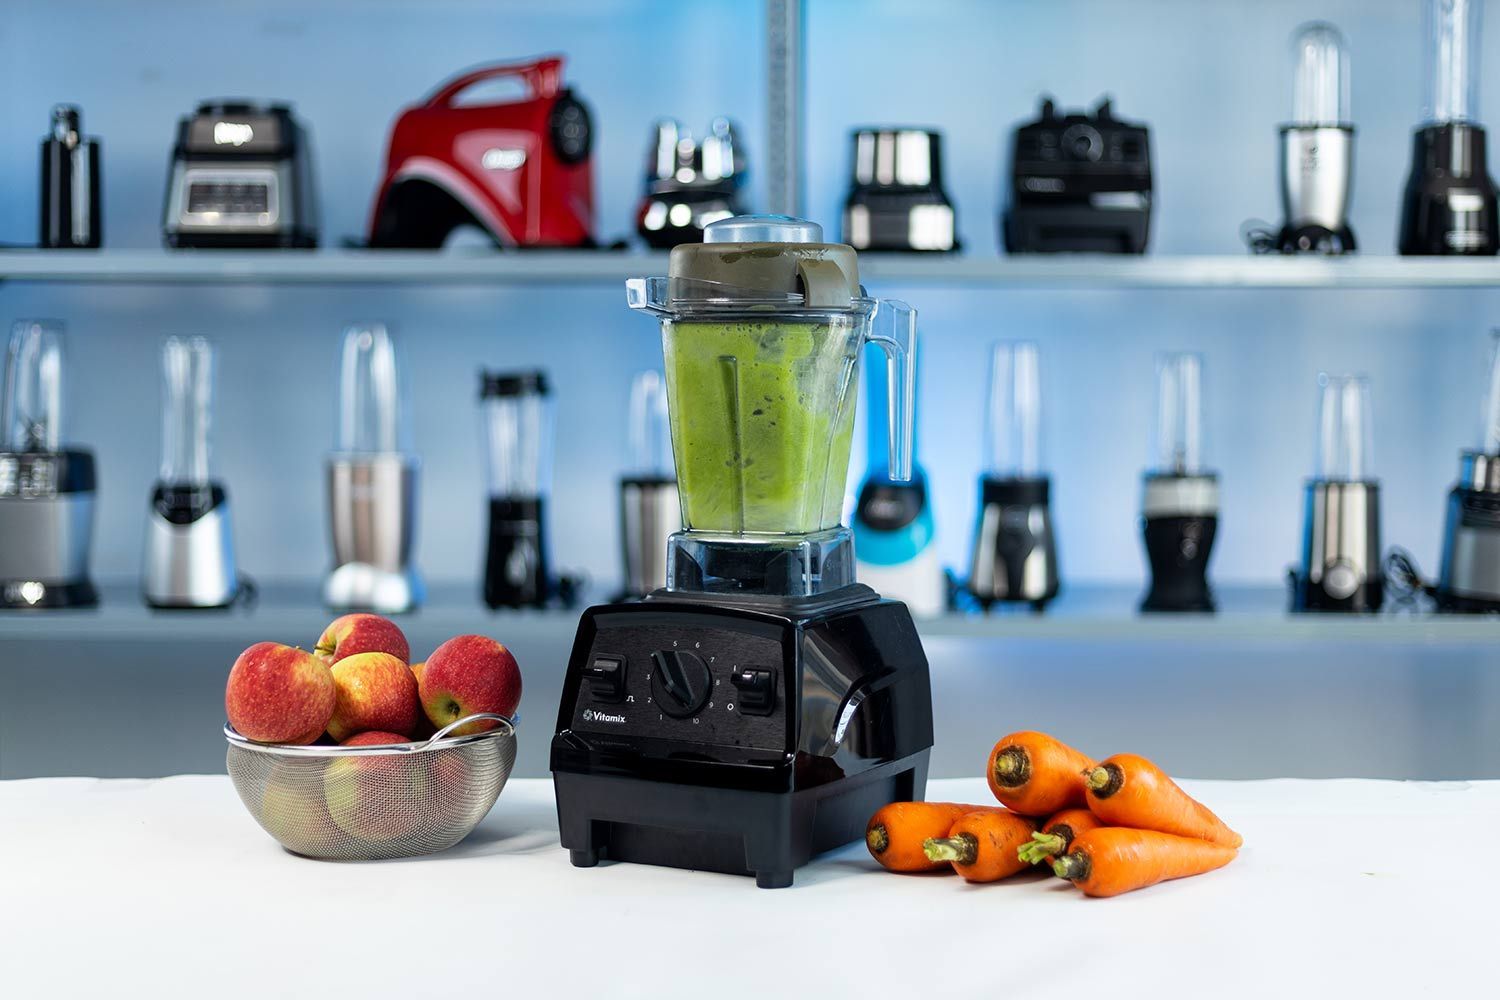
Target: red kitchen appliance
(520,170)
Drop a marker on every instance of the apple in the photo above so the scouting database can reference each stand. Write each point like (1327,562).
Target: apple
(292,810)
(374,738)
(360,788)
(279,694)
(361,633)
(469,674)
(425,728)
(375,691)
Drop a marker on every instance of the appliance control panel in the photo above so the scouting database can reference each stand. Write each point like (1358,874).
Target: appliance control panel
(694,682)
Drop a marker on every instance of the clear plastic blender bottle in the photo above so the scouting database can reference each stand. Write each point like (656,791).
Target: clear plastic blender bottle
(762,328)
(517,415)
(650,510)
(372,482)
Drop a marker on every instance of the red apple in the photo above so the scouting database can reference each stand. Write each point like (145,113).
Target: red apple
(359,790)
(279,694)
(425,728)
(293,810)
(469,674)
(375,691)
(361,633)
(374,738)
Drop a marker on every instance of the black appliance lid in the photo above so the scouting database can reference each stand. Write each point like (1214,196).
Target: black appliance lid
(517,383)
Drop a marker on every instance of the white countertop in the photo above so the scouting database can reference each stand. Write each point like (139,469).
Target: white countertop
(123,888)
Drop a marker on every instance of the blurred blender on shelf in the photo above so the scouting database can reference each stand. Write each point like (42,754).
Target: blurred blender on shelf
(1317,146)
(1341,569)
(1469,579)
(46,488)
(1015,555)
(1449,206)
(1180,499)
(893,527)
(650,510)
(70,216)
(689,183)
(372,482)
(189,555)
(517,414)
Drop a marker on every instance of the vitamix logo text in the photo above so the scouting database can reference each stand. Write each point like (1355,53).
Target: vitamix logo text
(589,715)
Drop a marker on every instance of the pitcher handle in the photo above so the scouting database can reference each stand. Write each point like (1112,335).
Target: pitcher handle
(894,329)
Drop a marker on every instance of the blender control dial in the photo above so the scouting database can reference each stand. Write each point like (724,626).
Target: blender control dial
(680,683)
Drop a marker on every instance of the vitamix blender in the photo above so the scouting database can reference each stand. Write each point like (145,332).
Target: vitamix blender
(1450,202)
(189,555)
(1180,500)
(758,709)
(1015,556)
(46,488)
(1470,576)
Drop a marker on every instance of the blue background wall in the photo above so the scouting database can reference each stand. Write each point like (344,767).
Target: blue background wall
(1209,77)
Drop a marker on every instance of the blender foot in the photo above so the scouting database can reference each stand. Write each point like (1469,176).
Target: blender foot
(583,859)
(773,879)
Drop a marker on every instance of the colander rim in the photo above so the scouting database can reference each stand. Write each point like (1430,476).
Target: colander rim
(505,729)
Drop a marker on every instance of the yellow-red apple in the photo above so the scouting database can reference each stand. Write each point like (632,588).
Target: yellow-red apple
(375,691)
(293,811)
(469,674)
(279,694)
(361,633)
(374,738)
(362,790)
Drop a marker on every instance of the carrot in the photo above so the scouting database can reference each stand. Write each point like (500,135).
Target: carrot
(895,833)
(1116,859)
(982,845)
(1056,835)
(1127,790)
(1035,774)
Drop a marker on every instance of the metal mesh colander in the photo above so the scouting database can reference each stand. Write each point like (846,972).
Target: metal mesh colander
(376,802)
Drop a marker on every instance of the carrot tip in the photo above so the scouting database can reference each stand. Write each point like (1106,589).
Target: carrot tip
(1012,767)
(877,838)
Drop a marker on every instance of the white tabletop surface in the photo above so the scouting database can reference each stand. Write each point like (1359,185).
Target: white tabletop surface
(120,888)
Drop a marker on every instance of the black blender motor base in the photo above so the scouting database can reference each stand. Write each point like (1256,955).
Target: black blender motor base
(20,595)
(1317,240)
(736,733)
(729,830)
(1310,596)
(1177,549)
(1448,170)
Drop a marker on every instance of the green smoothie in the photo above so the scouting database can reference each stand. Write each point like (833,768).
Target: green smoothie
(762,418)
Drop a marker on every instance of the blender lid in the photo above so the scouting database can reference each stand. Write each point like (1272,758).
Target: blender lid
(762,229)
(757,262)
(521,383)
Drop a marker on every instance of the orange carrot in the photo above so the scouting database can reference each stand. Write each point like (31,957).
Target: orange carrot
(1127,790)
(1115,859)
(1036,775)
(1056,835)
(982,845)
(895,833)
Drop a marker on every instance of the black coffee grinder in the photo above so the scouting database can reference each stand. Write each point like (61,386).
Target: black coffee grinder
(1450,202)
(1180,501)
(763,705)
(517,412)
(1014,559)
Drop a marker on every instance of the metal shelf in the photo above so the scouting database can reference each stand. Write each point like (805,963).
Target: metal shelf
(159,266)
(289,611)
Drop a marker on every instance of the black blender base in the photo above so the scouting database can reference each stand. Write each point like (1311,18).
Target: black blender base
(1451,603)
(730,830)
(27,594)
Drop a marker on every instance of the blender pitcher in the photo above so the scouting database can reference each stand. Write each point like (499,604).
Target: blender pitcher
(762,327)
